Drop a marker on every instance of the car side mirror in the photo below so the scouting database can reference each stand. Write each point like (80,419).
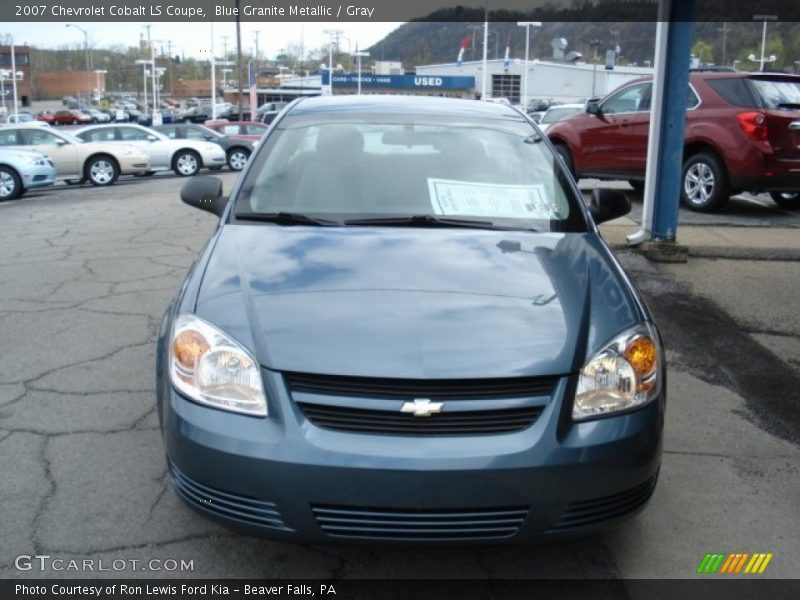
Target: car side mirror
(60,142)
(606,205)
(204,193)
(593,107)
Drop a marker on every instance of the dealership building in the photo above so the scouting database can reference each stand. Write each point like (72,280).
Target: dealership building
(551,80)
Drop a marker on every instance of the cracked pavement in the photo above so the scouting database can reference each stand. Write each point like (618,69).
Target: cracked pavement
(85,275)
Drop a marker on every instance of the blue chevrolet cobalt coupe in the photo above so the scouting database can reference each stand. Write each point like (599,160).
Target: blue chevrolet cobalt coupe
(407,328)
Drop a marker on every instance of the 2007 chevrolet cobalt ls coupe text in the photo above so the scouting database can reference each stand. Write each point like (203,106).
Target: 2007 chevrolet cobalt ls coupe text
(407,328)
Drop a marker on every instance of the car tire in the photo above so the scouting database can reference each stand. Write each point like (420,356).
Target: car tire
(186,163)
(101,170)
(237,158)
(10,184)
(787,200)
(566,156)
(704,183)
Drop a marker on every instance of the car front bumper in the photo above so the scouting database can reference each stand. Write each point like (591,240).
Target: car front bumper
(38,176)
(284,477)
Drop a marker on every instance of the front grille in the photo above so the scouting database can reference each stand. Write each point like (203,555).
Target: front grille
(419,525)
(39,178)
(358,420)
(591,512)
(512,387)
(231,507)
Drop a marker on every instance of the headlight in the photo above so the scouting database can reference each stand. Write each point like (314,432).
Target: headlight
(211,368)
(38,161)
(621,376)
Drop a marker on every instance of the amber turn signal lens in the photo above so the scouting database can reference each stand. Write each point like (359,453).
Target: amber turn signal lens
(641,354)
(188,347)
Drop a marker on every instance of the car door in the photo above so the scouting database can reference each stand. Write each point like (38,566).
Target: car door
(63,152)
(610,140)
(160,150)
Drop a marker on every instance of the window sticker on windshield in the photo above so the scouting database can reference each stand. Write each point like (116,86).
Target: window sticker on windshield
(468,198)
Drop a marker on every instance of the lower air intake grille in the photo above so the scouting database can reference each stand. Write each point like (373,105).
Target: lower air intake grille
(419,525)
(483,422)
(591,512)
(244,509)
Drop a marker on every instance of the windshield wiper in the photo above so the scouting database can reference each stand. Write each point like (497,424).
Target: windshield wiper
(423,221)
(287,218)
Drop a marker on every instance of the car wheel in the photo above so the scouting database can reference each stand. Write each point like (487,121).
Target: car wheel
(565,154)
(101,170)
(10,184)
(237,159)
(705,184)
(186,163)
(787,200)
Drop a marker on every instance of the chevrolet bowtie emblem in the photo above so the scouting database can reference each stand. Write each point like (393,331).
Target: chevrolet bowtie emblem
(422,407)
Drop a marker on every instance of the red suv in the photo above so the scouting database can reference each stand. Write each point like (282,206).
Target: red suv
(742,134)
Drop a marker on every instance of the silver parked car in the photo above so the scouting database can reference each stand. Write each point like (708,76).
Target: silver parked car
(21,170)
(184,157)
(75,160)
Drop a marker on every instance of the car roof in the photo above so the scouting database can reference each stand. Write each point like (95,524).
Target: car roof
(396,104)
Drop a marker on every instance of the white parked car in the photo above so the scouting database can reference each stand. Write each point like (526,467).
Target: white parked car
(99,117)
(101,164)
(184,157)
(558,112)
(24,119)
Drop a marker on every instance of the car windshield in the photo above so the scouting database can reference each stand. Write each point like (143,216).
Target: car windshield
(777,93)
(343,169)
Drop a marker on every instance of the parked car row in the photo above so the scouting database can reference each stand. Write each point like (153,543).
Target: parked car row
(37,155)
(742,135)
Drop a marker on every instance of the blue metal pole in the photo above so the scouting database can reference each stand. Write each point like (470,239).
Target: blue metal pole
(672,116)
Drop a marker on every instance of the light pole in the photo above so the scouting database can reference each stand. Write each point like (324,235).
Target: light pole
(333,34)
(144,63)
(527,25)
(764,18)
(358,56)
(86,49)
(594,44)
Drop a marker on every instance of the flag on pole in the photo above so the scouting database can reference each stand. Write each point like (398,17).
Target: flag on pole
(464,45)
(253,84)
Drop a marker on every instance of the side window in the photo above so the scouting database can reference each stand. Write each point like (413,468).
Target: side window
(131,134)
(35,137)
(254,129)
(8,137)
(230,130)
(195,134)
(734,91)
(170,132)
(635,98)
(98,135)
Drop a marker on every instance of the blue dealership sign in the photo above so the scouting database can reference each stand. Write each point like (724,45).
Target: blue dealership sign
(409,82)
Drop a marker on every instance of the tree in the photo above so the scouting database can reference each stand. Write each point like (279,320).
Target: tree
(703,51)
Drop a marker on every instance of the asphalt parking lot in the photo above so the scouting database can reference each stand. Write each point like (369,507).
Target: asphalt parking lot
(86,273)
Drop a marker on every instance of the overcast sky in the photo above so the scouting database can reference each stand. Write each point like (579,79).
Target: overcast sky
(192,37)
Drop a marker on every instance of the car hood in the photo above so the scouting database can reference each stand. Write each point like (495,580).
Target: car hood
(415,303)
(22,154)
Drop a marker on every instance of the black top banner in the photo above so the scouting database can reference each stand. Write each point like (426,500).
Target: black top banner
(384,10)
